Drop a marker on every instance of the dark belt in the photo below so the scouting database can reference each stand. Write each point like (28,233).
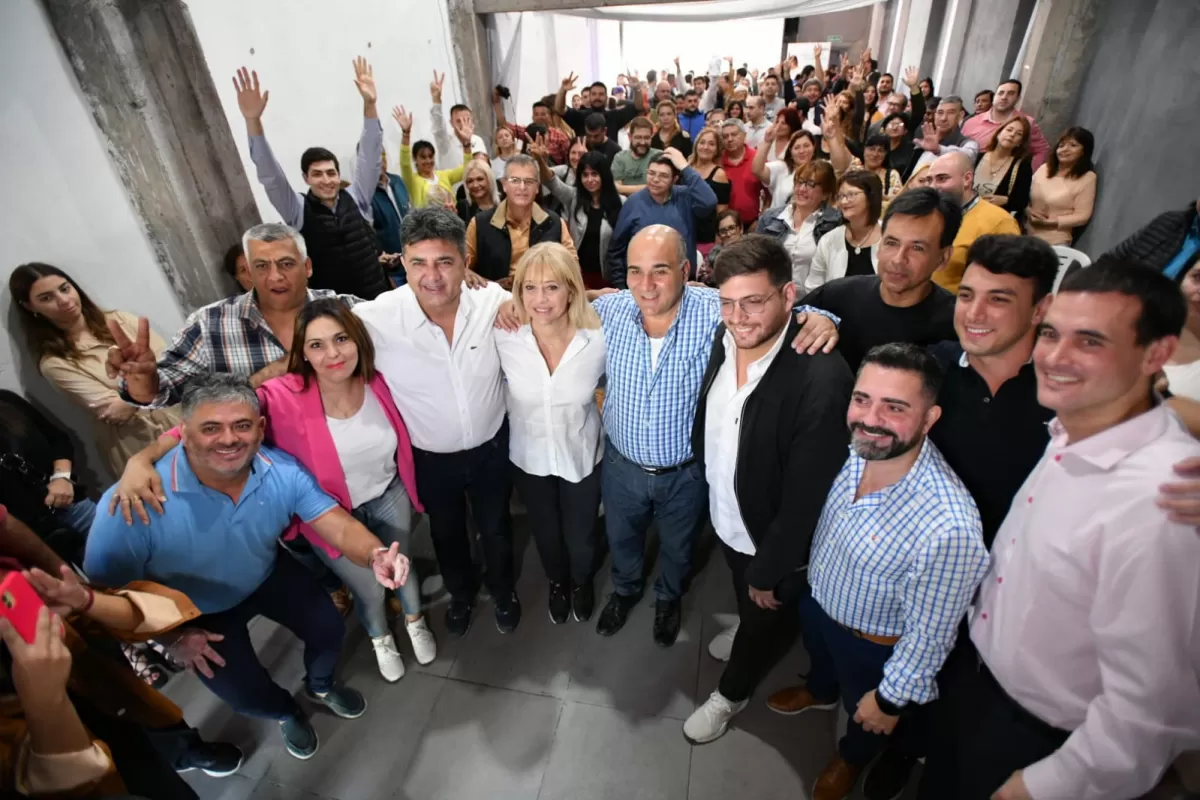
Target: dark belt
(665,470)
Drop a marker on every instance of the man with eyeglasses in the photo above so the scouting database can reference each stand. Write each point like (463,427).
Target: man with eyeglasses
(497,238)
(758,397)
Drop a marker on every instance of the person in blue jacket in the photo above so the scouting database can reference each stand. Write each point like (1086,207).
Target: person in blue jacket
(390,205)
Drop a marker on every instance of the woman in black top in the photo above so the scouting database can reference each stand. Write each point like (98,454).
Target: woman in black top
(669,134)
(898,128)
(706,160)
(1004,170)
(478,191)
(590,208)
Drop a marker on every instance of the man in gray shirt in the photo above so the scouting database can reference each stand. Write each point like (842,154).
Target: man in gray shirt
(629,166)
(336,222)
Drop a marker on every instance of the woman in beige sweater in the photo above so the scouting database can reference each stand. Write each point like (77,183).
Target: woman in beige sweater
(1063,193)
(70,339)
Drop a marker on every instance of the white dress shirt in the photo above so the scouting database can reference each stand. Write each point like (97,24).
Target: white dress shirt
(755,133)
(1090,614)
(722,429)
(448,392)
(554,422)
(800,243)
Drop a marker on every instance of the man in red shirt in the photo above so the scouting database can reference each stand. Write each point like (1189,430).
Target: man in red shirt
(745,189)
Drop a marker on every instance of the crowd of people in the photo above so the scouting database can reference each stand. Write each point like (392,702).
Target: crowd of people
(808,311)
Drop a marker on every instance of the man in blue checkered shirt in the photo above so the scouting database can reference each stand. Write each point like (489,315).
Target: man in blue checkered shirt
(659,335)
(896,558)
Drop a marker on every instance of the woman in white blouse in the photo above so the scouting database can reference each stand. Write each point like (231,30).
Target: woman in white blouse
(852,248)
(552,365)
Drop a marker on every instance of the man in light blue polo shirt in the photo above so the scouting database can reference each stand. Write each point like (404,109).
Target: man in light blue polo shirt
(230,499)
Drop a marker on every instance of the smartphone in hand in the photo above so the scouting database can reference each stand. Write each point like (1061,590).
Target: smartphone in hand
(19,604)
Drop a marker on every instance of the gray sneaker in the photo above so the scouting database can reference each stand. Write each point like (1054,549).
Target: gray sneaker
(341,700)
(299,737)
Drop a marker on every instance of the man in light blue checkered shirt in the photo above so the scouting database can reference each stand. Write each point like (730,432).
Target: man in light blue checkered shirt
(659,335)
(896,558)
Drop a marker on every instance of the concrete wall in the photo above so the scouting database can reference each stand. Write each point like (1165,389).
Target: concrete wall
(69,209)
(1139,98)
(988,38)
(854,26)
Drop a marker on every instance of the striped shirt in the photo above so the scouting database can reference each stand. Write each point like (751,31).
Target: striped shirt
(903,562)
(229,335)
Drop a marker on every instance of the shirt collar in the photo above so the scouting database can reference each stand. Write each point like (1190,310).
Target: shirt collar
(913,475)
(500,219)
(416,316)
(246,307)
(760,364)
(965,362)
(1109,447)
(184,480)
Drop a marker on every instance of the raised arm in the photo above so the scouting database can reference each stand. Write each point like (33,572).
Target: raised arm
(437,120)
(252,102)
(835,140)
(703,198)
(370,144)
(786,85)
(560,98)
(541,154)
(407,174)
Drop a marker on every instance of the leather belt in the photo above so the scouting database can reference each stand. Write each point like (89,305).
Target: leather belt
(885,641)
(666,470)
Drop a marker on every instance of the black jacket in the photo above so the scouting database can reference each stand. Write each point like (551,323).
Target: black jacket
(343,247)
(493,247)
(1156,244)
(792,444)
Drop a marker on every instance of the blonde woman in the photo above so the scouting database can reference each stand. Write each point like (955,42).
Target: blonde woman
(478,192)
(706,160)
(920,179)
(552,365)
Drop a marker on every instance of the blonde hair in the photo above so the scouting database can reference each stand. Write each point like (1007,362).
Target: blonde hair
(439,197)
(696,145)
(475,165)
(560,266)
(911,183)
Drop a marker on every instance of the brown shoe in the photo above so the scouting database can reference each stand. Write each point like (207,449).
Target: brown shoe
(836,780)
(342,601)
(795,700)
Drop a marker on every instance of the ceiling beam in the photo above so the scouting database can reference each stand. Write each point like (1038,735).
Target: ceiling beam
(501,6)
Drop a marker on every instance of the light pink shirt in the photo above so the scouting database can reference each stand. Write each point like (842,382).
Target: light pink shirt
(982,128)
(1090,614)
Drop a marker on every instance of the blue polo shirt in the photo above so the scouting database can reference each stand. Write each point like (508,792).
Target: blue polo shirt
(215,551)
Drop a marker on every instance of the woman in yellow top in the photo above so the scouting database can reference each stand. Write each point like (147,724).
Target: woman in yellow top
(70,339)
(426,177)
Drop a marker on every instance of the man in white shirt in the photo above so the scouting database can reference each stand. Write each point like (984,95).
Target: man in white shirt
(1086,682)
(434,345)
(787,411)
(756,120)
(447,152)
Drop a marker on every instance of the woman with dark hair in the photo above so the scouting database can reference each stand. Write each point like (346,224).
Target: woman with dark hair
(70,338)
(1063,193)
(1004,171)
(852,249)
(898,128)
(875,161)
(871,113)
(736,110)
(421,154)
(926,87)
(590,207)
(235,266)
(777,175)
(801,223)
(729,230)
(333,412)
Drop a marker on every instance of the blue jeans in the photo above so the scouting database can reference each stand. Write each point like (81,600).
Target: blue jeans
(677,503)
(78,515)
(389,517)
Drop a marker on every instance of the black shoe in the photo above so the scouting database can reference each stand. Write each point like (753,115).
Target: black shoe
(347,703)
(666,622)
(299,736)
(508,615)
(560,603)
(583,601)
(215,759)
(615,612)
(887,777)
(458,616)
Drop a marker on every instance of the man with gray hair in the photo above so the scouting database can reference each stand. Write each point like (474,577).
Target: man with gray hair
(943,135)
(216,542)
(746,191)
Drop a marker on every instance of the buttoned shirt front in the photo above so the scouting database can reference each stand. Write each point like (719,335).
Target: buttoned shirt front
(903,561)
(1090,614)
(555,426)
(800,242)
(722,438)
(448,392)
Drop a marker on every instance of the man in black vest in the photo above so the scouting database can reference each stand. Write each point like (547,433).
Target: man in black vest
(497,238)
(336,222)
(770,434)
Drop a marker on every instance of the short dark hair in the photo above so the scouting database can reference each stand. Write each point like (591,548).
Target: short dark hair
(229,262)
(433,222)
(594,122)
(459,107)
(666,161)
(1023,256)
(542,104)
(691,93)
(888,75)
(712,111)
(420,146)
(1164,310)
(771,75)
(641,122)
(878,140)
(901,115)
(922,202)
(909,358)
(704,78)
(601,84)
(729,213)
(990,94)
(1020,86)
(870,185)
(315,155)
(752,254)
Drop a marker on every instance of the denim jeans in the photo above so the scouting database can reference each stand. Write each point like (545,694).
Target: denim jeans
(677,503)
(78,515)
(389,517)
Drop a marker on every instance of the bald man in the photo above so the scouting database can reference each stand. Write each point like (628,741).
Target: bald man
(954,174)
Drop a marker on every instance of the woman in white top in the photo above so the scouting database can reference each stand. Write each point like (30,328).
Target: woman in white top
(1183,367)
(800,224)
(852,248)
(777,175)
(506,146)
(552,366)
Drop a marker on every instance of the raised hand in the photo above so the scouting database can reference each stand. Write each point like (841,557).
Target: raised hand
(435,87)
(676,158)
(251,100)
(403,118)
(676,62)
(130,358)
(817,51)
(364,79)
(537,148)
(754,74)
(912,78)
(568,83)
(929,138)
(464,128)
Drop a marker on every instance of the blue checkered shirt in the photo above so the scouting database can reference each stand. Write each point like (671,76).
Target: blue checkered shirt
(648,414)
(904,562)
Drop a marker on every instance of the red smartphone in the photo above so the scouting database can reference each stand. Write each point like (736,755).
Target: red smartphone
(19,604)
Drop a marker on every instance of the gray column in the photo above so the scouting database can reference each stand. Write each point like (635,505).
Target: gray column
(469,41)
(1057,60)
(144,76)
(985,47)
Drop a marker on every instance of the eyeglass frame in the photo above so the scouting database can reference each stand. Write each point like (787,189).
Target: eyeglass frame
(727,306)
(514,180)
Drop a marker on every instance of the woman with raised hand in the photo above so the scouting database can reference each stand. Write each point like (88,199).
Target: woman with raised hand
(425,176)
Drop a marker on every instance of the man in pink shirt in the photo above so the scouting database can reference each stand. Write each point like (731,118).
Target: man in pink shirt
(982,127)
(745,189)
(1087,626)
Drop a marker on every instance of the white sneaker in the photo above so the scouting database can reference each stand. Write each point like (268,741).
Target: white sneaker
(711,720)
(722,644)
(391,666)
(424,645)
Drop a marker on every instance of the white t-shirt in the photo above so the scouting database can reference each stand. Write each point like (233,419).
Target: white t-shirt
(366,445)
(656,346)
(781,183)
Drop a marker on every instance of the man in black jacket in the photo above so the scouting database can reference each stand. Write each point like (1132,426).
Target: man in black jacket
(770,434)
(1169,243)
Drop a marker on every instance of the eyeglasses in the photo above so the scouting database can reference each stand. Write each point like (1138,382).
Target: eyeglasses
(806,184)
(727,231)
(527,182)
(850,197)
(750,306)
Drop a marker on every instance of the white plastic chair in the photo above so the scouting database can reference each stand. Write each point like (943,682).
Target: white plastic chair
(1067,257)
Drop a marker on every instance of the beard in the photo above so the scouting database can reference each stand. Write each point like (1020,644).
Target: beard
(880,451)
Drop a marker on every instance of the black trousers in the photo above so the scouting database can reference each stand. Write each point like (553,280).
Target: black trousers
(445,481)
(763,636)
(981,735)
(562,517)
